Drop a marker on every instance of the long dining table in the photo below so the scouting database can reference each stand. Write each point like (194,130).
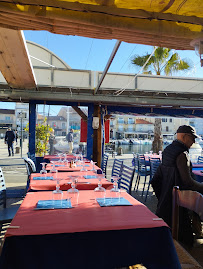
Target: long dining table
(66,167)
(85,181)
(87,236)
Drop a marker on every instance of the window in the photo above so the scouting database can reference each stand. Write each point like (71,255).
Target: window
(171,120)
(130,128)
(63,125)
(120,120)
(164,120)
(167,129)
(120,128)
(7,118)
(130,121)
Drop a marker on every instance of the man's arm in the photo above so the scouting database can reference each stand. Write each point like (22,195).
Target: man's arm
(183,165)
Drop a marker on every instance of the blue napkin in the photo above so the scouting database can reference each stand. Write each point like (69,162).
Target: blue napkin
(54,204)
(112,201)
(86,164)
(42,178)
(89,176)
(57,165)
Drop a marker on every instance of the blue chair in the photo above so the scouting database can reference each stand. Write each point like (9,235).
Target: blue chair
(117,167)
(126,178)
(104,163)
(143,170)
(200,159)
(135,163)
(154,164)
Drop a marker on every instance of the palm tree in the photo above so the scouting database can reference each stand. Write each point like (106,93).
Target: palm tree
(164,61)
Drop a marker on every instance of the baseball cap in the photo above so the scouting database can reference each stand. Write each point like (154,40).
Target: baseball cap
(187,129)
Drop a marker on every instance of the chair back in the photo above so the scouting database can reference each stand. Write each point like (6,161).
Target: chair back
(135,162)
(141,164)
(126,178)
(31,164)
(154,164)
(2,189)
(104,163)
(200,159)
(191,200)
(117,167)
(32,157)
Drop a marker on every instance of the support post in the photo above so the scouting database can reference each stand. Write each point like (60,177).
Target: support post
(32,124)
(97,138)
(90,132)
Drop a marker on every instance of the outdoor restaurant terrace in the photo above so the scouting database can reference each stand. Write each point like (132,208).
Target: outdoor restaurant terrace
(71,214)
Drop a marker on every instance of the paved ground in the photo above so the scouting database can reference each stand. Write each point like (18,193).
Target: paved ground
(16,176)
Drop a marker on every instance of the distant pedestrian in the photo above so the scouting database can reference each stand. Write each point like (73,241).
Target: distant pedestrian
(52,141)
(69,138)
(9,140)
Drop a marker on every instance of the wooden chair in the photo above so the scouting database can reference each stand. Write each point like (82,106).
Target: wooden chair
(6,214)
(191,200)
(104,163)
(126,178)
(117,167)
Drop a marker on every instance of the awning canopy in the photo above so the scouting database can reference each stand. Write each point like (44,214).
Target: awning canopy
(172,23)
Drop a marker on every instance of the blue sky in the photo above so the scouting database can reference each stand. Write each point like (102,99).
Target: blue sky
(93,54)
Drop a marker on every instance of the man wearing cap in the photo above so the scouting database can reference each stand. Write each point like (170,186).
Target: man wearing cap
(176,170)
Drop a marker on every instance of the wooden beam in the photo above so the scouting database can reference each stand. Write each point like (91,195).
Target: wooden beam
(115,49)
(80,112)
(15,64)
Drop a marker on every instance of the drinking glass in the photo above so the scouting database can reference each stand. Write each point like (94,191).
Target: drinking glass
(43,171)
(73,193)
(57,196)
(99,192)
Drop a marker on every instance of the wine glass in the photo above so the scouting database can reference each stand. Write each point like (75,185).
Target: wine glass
(83,164)
(73,193)
(59,155)
(43,171)
(57,194)
(93,167)
(53,169)
(115,191)
(99,192)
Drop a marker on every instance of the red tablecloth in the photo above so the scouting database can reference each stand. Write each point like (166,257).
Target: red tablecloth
(51,157)
(66,168)
(151,156)
(83,184)
(87,216)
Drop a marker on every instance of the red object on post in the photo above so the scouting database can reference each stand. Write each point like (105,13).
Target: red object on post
(107,130)
(83,131)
